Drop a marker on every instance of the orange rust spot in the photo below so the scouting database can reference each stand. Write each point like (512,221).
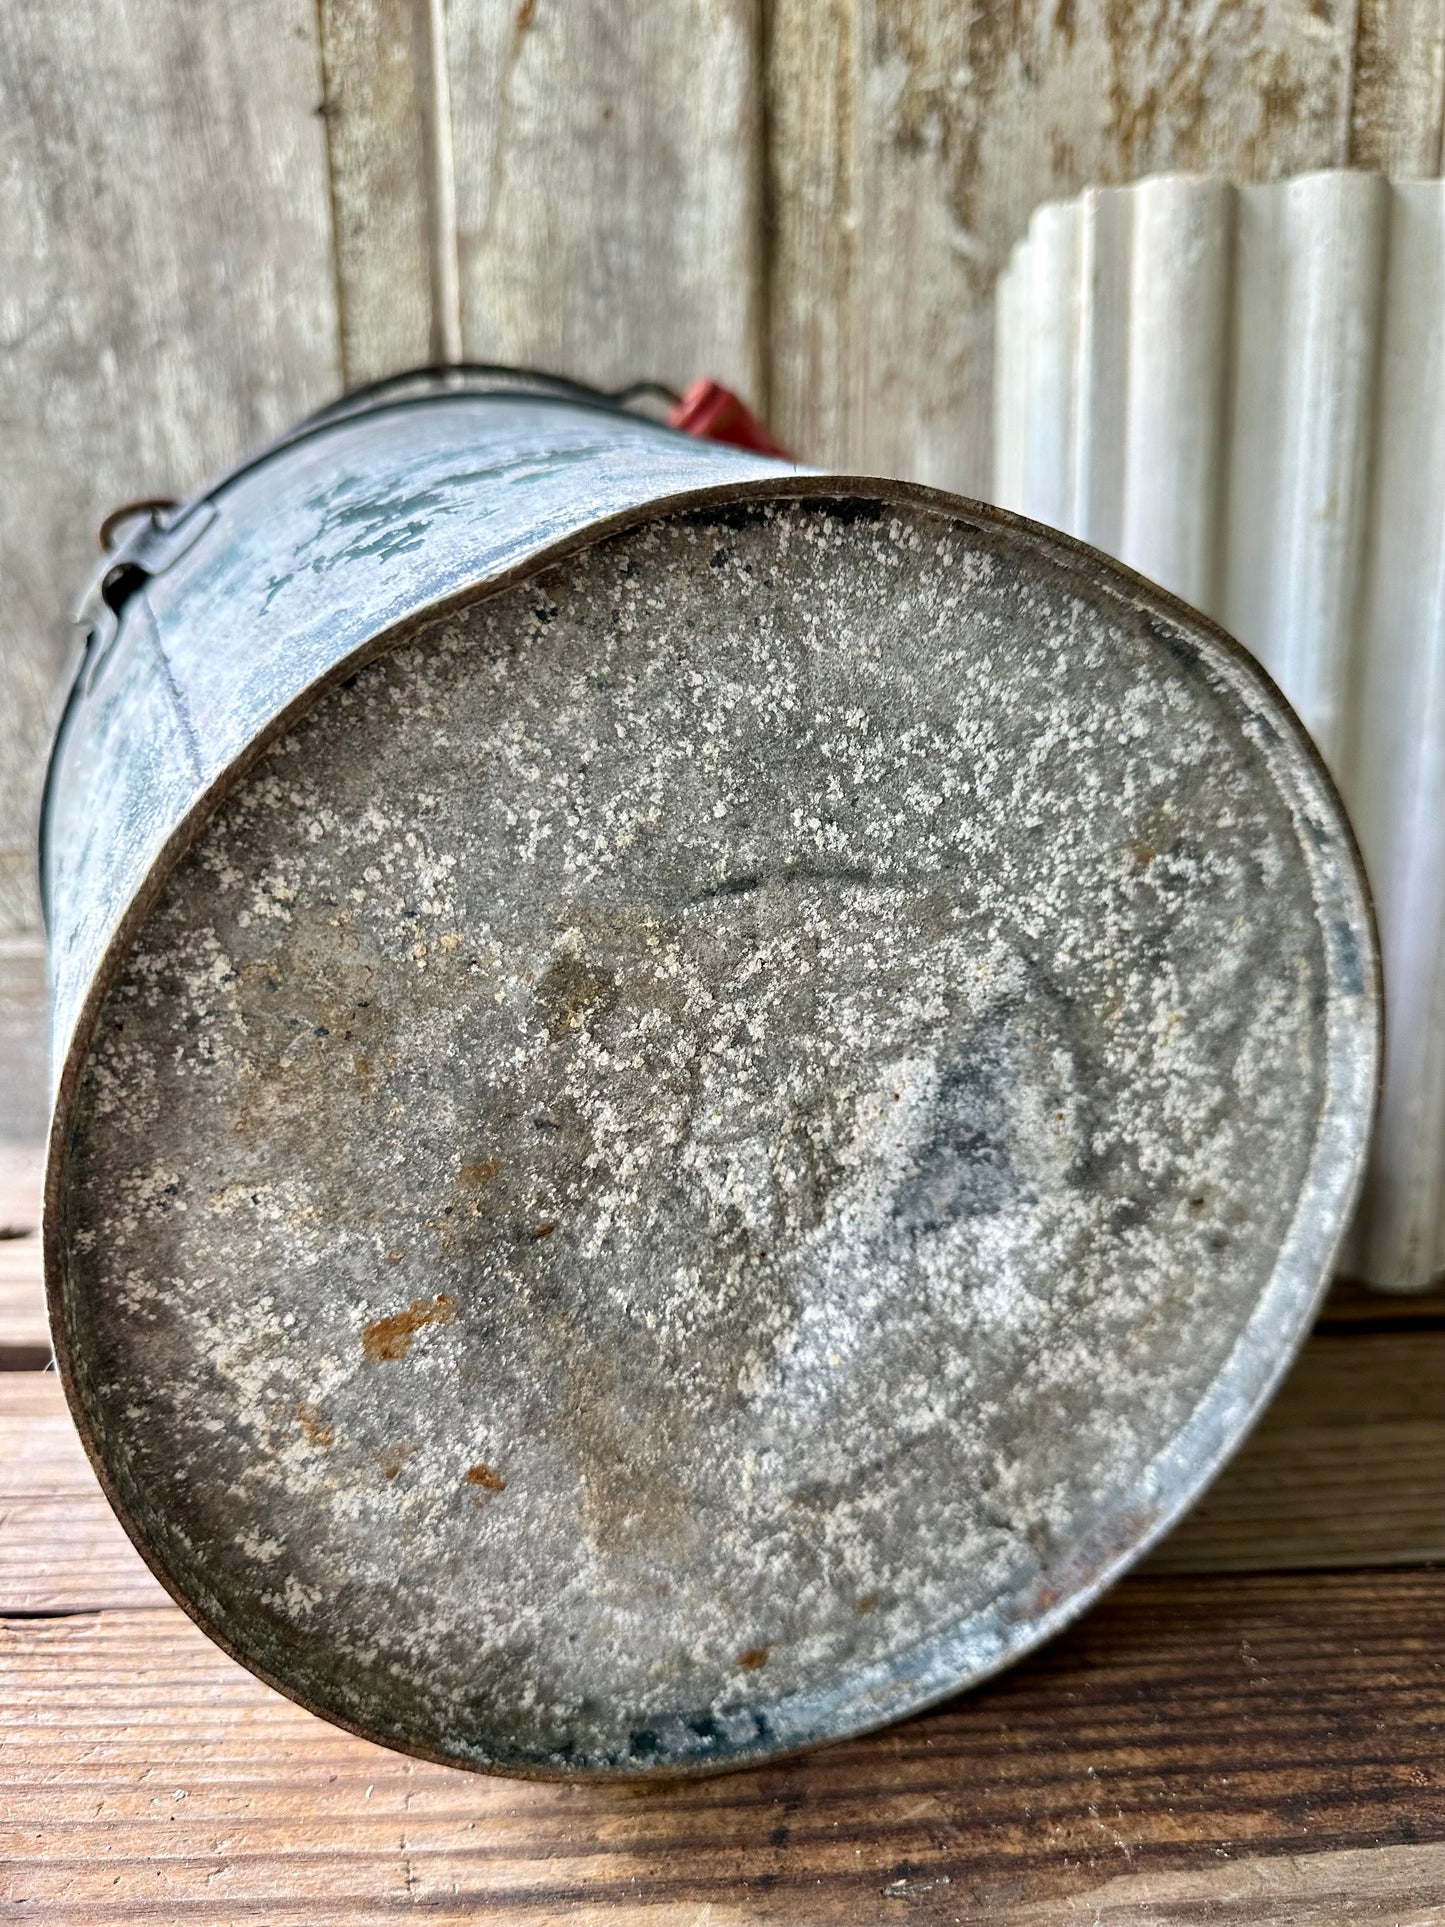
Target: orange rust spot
(391,1337)
(317,1431)
(575,1008)
(392,1459)
(754,1657)
(487,1478)
(869,1603)
(475,1175)
(1143,852)
(543,1231)
(395,1257)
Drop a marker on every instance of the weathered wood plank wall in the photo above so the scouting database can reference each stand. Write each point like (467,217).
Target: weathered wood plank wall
(608,187)
(211,219)
(166,299)
(1398,102)
(377,68)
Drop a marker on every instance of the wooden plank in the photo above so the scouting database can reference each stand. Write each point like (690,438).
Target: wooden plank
(39,1452)
(24,1008)
(1352,1306)
(61,1548)
(608,187)
(68,1555)
(24,1332)
(376,66)
(1399,95)
(1253,1750)
(812,232)
(1347,1467)
(166,301)
(924,134)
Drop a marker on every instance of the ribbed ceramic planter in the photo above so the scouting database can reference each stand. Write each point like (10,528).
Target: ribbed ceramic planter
(1240,392)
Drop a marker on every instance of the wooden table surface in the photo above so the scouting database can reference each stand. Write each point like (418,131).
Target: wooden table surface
(1249,1730)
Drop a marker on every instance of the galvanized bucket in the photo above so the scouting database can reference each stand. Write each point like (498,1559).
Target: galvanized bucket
(691,1098)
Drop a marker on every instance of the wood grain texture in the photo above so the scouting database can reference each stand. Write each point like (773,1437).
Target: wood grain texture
(24,1333)
(1352,1306)
(66,1554)
(1399,87)
(375,61)
(608,182)
(1255,1750)
(928,131)
(812,238)
(22,1168)
(1347,1467)
(61,1549)
(24,1080)
(165,302)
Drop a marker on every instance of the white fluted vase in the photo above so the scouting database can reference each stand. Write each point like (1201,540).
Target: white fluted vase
(1240,392)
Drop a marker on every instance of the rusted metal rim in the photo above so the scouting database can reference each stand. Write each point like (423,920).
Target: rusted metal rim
(1281,1317)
